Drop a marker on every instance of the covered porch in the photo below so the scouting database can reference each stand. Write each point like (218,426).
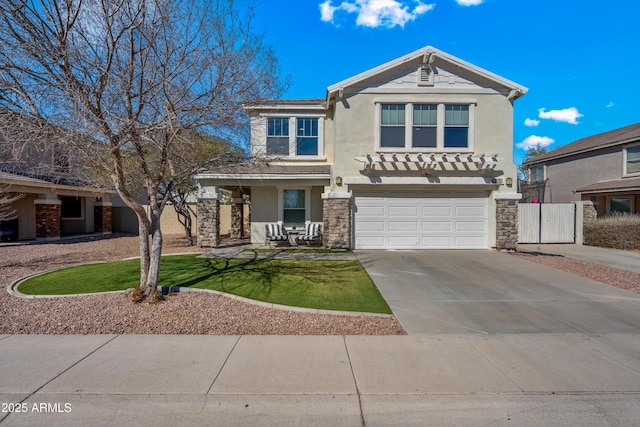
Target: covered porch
(290,196)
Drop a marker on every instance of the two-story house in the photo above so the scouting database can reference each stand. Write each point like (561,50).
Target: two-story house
(413,154)
(603,168)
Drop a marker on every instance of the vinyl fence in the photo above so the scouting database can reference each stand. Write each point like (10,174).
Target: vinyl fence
(547,223)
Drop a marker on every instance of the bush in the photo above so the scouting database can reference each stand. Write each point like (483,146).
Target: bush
(620,231)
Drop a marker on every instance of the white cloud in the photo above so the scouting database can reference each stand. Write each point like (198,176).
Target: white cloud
(531,122)
(327,11)
(568,115)
(377,13)
(535,141)
(469,2)
(610,104)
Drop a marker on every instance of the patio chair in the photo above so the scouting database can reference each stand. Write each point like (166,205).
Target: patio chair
(276,233)
(312,233)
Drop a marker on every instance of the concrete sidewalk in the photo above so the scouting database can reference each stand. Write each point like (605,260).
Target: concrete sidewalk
(474,379)
(615,258)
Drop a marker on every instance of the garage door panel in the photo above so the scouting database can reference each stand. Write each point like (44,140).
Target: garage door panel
(474,211)
(477,226)
(403,211)
(403,226)
(420,220)
(370,226)
(403,241)
(435,242)
(375,211)
(470,242)
(437,211)
(436,226)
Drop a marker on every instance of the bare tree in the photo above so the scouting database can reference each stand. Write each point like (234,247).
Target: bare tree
(6,199)
(130,80)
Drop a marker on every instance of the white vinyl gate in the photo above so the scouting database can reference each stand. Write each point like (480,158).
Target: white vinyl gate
(546,223)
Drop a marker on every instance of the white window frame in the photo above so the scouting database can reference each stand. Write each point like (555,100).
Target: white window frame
(625,162)
(293,135)
(307,203)
(408,140)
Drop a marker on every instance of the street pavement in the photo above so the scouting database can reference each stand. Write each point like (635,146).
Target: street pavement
(451,379)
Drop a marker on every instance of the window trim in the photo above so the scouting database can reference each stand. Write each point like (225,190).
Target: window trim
(408,142)
(625,161)
(293,135)
(307,202)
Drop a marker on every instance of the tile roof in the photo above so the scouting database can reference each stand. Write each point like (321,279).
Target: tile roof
(601,140)
(269,169)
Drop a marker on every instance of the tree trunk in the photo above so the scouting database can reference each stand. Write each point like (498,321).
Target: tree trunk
(155,254)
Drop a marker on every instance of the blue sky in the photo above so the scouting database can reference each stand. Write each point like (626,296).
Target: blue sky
(579,59)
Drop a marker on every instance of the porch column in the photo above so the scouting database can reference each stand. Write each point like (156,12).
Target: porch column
(237,216)
(336,220)
(507,221)
(106,217)
(48,214)
(208,220)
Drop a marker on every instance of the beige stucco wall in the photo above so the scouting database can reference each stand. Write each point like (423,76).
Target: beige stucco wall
(567,175)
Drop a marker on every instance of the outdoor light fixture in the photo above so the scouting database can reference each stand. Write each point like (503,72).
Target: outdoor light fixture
(339,181)
(509,182)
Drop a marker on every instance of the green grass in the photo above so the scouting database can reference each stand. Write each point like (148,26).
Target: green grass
(322,284)
(301,250)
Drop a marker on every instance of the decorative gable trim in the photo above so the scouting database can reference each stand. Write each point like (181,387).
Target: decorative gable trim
(427,55)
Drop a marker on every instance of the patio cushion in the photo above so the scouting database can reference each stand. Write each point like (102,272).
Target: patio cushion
(276,232)
(311,232)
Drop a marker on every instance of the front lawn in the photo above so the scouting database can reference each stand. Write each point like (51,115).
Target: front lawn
(321,284)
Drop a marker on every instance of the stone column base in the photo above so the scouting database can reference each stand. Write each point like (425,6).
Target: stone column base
(208,221)
(507,221)
(336,220)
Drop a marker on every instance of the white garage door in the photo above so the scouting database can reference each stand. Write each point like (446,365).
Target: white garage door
(421,220)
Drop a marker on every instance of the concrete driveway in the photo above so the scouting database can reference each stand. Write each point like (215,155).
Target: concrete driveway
(436,292)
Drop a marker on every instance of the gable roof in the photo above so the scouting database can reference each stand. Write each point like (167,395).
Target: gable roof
(618,136)
(428,53)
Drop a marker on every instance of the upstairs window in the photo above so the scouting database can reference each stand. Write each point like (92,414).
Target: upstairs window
(278,136)
(632,160)
(392,125)
(307,137)
(536,174)
(423,128)
(425,125)
(456,126)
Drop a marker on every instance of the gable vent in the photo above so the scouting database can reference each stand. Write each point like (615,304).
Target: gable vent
(426,76)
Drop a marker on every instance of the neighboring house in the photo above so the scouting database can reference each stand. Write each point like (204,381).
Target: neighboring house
(53,201)
(603,168)
(415,153)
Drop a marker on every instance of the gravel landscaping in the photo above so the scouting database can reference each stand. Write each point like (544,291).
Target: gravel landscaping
(183,313)
(619,278)
(191,313)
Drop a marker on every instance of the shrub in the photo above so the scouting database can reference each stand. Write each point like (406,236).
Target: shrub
(620,231)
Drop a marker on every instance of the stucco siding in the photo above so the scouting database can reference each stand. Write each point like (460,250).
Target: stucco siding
(566,175)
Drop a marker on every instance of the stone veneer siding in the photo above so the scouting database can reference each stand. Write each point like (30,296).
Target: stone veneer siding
(507,224)
(208,223)
(589,212)
(336,227)
(47,221)
(237,220)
